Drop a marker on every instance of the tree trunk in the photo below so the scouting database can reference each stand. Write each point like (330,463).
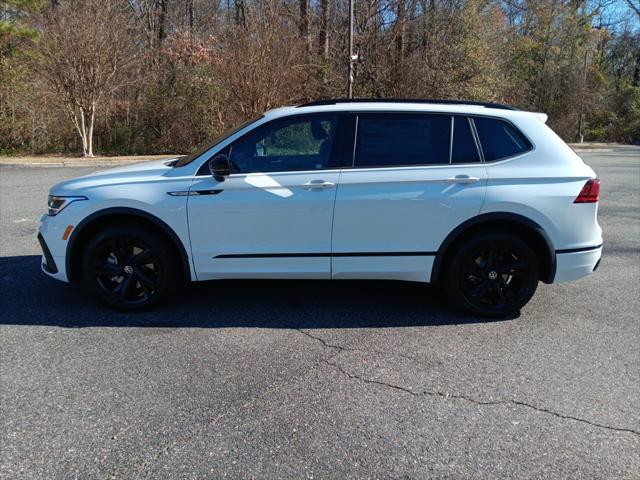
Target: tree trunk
(162,32)
(305,7)
(400,29)
(423,24)
(83,133)
(190,13)
(240,12)
(92,118)
(324,29)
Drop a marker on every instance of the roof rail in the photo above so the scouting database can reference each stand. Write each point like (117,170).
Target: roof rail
(335,101)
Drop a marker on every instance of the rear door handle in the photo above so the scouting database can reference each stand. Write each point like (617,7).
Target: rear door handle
(463,179)
(318,184)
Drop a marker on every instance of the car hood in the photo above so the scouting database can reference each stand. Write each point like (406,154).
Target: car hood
(135,172)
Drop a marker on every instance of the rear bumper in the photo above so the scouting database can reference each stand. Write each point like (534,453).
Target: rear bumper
(574,264)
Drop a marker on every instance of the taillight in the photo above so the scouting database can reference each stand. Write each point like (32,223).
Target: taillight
(590,193)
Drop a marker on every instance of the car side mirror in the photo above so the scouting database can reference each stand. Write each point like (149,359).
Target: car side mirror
(220,167)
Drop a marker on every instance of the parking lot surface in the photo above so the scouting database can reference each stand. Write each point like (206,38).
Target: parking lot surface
(320,379)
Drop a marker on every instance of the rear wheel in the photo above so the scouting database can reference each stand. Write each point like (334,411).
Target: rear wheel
(129,267)
(492,275)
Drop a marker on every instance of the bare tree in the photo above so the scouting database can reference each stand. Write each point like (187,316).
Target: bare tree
(204,65)
(250,68)
(86,58)
(635,6)
(152,15)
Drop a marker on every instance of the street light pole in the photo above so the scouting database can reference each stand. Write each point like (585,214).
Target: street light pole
(583,93)
(351,59)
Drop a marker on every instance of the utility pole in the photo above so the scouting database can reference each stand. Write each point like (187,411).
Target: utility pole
(352,60)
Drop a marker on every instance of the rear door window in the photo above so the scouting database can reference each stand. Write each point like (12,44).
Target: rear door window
(464,149)
(385,140)
(499,139)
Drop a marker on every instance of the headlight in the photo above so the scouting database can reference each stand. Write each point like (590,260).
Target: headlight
(57,204)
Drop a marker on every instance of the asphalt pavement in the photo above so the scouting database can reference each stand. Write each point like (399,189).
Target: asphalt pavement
(312,379)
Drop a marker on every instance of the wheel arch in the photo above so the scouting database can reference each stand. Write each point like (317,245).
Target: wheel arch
(97,220)
(526,228)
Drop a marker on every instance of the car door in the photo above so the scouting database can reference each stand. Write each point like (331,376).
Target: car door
(272,216)
(414,178)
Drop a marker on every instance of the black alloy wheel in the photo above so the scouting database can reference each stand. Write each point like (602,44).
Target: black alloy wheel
(128,267)
(493,275)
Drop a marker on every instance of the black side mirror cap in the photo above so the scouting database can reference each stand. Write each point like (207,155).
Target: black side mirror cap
(220,167)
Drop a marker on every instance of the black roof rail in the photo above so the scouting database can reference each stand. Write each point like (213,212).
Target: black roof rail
(335,101)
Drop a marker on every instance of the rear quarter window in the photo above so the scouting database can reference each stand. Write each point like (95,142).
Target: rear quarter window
(499,139)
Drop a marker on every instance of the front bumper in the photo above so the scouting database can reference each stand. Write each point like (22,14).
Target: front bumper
(48,263)
(53,248)
(574,265)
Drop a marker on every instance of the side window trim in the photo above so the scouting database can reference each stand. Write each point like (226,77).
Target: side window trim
(476,139)
(343,153)
(342,149)
(453,119)
(355,142)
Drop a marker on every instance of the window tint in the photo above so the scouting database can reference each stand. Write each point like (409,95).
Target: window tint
(464,147)
(394,139)
(499,139)
(295,143)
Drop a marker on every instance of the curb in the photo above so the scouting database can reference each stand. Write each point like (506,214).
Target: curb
(77,162)
(593,150)
(63,164)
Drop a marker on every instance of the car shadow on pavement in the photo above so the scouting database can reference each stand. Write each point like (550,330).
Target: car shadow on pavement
(29,297)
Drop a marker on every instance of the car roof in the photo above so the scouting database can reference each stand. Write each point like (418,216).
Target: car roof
(444,101)
(399,106)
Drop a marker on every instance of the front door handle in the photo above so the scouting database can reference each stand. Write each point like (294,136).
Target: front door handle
(463,179)
(318,184)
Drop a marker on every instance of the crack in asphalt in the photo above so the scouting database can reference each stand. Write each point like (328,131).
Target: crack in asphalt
(341,348)
(480,402)
(520,403)
(170,448)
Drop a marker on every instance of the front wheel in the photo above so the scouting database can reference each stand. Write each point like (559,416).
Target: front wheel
(129,267)
(492,275)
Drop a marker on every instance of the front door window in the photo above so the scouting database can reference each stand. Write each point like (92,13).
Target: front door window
(293,144)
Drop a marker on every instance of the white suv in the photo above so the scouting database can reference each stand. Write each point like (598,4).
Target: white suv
(482,198)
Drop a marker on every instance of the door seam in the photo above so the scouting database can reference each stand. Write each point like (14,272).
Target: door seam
(193,262)
(333,216)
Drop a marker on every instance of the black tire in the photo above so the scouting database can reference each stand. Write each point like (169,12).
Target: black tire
(492,275)
(129,267)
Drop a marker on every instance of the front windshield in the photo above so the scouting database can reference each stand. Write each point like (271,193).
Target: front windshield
(209,145)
